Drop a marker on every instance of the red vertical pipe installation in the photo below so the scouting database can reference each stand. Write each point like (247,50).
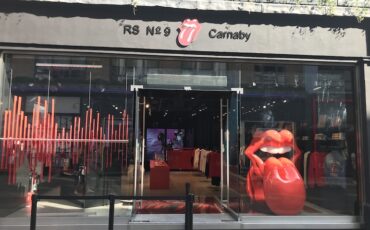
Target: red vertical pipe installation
(79,135)
(53,125)
(111,137)
(126,145)
(3,152)
(93,132)
(39,139)
(28,148)
(119,144)
(107,153)
(89,142)
(8,135)
(74,150)
(85,137)
(37,128)
(20,140)
(11,152)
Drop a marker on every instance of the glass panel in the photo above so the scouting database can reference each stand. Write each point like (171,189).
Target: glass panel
(295,120)
(298,133)
(233,162)
(65,131)
(176,74)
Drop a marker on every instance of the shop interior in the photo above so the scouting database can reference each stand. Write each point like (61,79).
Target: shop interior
(182,145)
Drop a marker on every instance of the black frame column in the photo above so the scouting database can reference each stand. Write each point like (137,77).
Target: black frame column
(364,88)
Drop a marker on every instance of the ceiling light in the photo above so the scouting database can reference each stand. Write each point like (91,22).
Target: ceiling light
(147,106)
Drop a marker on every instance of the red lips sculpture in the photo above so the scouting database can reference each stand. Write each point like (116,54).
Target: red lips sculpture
(276,181)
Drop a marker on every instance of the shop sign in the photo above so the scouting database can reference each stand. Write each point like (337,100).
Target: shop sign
(188,32)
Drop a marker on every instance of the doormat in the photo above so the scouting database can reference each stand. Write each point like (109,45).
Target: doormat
(174,207)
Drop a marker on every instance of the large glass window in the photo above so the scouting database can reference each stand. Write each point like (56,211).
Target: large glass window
(314,106)
(67,128)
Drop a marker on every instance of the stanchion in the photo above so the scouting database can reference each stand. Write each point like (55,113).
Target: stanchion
(33,212)
(111,212)
(191,198)
(188,208)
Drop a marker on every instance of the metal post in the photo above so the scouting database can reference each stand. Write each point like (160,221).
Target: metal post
(191,198)
(111,212)
(33,212)
(187,188)
(188,208)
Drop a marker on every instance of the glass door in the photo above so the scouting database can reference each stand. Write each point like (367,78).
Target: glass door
(138,187)
(196,112)
(224,151)
(230,181)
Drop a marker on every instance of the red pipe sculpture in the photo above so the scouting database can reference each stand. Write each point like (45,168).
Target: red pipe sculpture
(39,140)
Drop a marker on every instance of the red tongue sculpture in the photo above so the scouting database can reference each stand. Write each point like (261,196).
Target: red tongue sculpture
(275,181)
(283,187)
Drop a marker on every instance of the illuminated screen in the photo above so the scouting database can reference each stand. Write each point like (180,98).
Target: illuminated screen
(155,142)
(175,138)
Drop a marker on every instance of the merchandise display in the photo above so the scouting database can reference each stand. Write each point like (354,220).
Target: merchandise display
(159,175)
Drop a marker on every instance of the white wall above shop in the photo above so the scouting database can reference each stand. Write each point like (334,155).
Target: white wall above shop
(358,8)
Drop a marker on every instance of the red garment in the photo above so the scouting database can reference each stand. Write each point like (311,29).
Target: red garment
(316,175)
(214,167)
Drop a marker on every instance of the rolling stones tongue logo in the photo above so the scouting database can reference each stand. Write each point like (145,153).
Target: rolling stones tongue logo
(189,30)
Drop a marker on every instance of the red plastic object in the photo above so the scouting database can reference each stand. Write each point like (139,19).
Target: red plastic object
(159,175)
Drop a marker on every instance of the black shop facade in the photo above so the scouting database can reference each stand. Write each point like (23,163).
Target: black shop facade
(263,115)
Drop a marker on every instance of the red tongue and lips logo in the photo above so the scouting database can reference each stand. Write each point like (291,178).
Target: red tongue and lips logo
(275,181)
(189,30)
(283,187)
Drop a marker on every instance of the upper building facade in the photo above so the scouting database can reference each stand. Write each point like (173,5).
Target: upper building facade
(261,105)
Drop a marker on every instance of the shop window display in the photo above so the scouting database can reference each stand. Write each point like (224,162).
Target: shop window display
(65,129)
(316,105)
(73,117)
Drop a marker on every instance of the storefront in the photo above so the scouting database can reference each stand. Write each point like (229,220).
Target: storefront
(99,100)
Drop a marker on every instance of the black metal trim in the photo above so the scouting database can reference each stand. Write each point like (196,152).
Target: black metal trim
(188,198)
